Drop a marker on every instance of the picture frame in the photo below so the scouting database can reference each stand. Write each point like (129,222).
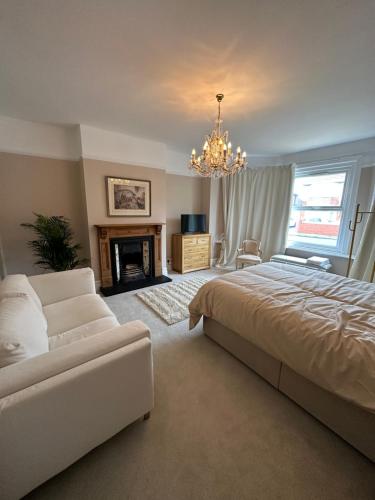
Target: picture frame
(128,197)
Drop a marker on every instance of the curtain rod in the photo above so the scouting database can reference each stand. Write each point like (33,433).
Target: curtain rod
(352,157)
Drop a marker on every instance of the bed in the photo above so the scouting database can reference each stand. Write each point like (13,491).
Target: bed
(310,334)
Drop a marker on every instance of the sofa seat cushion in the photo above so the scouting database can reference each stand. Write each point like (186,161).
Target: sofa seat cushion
(23,330)
(83,331)
(18,284)
(72,313)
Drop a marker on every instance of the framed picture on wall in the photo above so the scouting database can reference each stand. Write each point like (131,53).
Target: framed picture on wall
(128,197)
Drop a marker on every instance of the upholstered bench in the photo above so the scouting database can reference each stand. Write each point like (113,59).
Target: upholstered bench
(317,263)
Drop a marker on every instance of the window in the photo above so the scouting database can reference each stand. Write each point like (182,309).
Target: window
(323,198)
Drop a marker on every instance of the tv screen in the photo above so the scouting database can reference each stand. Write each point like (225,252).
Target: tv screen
(193,223)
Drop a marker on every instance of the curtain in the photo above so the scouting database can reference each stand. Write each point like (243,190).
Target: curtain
(256,205)
(3,271)
(364,261)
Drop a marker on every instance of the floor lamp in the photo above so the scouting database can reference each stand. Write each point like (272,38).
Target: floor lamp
(353,228)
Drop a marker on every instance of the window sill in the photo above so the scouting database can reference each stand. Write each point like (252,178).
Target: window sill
(318,251)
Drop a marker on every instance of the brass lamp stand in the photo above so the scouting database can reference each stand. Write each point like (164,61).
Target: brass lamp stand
(353,228)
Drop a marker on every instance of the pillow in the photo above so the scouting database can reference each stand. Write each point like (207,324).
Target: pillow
(18,283)
(23,330)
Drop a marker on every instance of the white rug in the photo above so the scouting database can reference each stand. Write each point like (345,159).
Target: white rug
(171,302)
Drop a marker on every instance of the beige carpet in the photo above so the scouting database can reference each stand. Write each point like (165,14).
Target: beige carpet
(171,301)
(218,431)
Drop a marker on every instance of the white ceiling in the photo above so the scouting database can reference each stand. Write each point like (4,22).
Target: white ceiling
(296,74)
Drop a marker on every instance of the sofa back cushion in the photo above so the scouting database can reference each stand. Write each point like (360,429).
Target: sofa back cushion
(23,329)
(18,283)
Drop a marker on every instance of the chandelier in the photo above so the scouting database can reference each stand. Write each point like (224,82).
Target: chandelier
(217,158)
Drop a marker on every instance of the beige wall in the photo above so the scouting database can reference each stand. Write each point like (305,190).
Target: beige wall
(77,190)
(94,173)
(184,195)
(32,184)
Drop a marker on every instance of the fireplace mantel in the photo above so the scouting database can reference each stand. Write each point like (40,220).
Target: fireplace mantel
(108,231)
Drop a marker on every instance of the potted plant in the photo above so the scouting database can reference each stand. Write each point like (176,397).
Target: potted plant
(54,245)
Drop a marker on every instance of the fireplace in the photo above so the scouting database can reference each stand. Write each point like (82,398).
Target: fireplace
(130,256)
(132,259)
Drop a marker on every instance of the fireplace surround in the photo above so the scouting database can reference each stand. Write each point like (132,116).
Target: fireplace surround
(130,256)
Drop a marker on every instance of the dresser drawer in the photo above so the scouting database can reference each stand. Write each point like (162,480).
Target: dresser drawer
(195,256)
(196,240)
(203,240)
(196,265)
(192,249)
(189,242)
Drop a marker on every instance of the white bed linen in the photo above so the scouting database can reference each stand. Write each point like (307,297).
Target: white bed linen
(321,325)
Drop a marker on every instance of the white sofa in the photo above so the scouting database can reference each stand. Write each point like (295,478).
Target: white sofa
(70,376)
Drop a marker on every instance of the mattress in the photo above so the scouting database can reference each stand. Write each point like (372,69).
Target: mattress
(321,325)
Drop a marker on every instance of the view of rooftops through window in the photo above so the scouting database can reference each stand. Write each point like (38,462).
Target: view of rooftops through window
(317,209)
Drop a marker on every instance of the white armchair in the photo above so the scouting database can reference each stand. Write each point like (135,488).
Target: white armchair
(249,254)
(95,378)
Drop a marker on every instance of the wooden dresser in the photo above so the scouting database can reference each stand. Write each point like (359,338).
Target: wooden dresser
(191,252)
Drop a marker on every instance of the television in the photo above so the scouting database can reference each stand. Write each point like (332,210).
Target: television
(193,223)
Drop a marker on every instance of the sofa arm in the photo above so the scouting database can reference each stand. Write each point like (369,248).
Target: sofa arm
(19,376)
(46,427)
(54,287)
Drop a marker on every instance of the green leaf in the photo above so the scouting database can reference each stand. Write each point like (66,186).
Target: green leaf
(54,245)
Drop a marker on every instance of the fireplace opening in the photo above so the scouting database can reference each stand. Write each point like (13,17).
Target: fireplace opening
(132,259)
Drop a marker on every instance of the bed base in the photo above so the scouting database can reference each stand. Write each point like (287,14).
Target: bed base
(352,423)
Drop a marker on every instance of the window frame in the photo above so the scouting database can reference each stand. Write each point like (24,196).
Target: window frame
(352,171)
